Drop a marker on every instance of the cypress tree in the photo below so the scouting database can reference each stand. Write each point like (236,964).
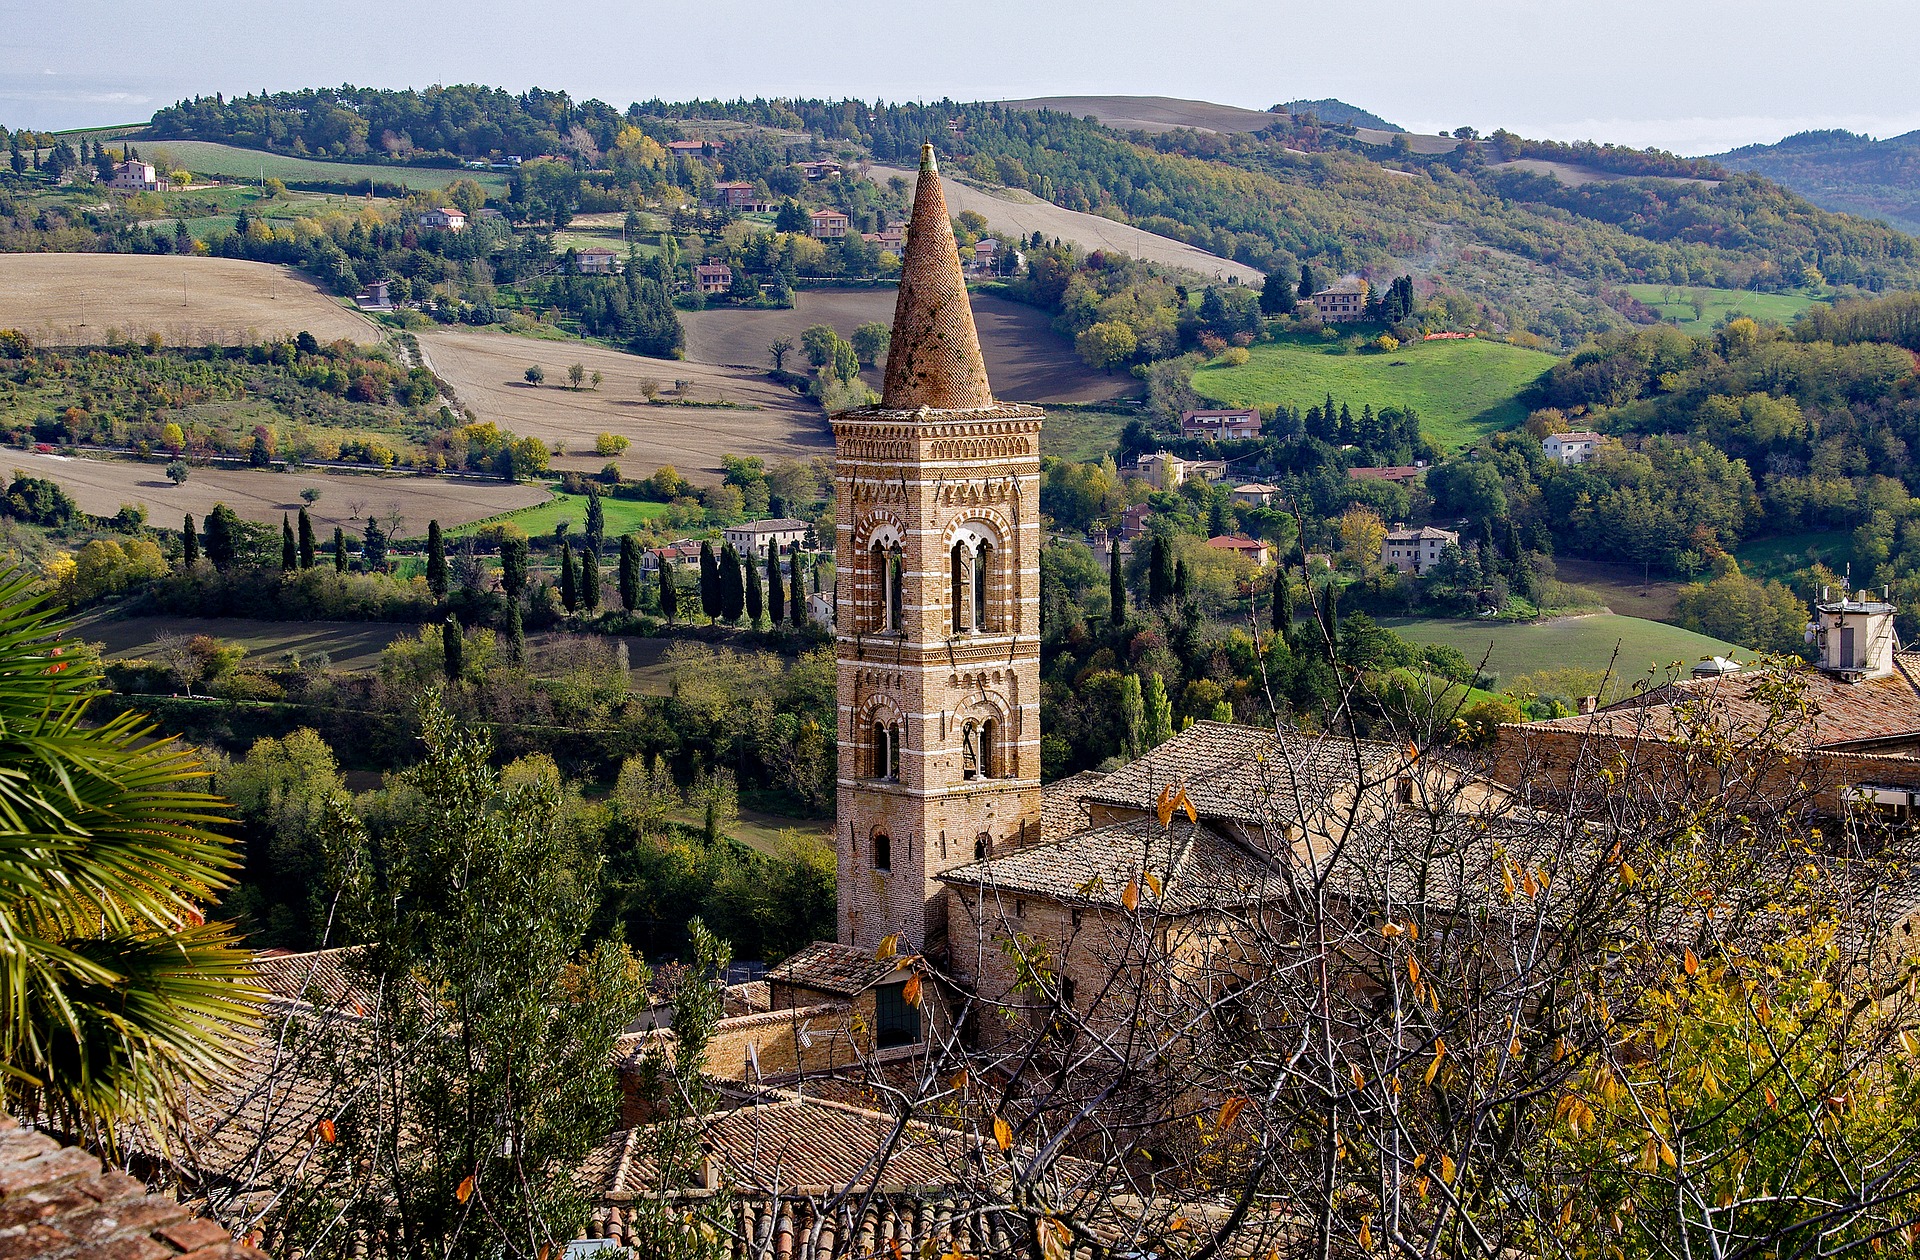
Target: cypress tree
(776,590)
(1159,573)
(339,550)
(756,601)
(374,547)
(436,561)
(629,573)
(596,518)
(1306,281)
(733,593)
(709,582)
(798,614)
(1116,586)
(569,592)
(513,567)
(289,555)
(669,593)
(1282,605)
(454,646)
(516,635)
(306,540)
(590,577)
(219,540)
(1180,583)
(189,543)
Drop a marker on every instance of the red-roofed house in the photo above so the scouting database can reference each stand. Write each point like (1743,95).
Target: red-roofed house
(596,260)
(829,225)
(1240,545)
(1399,474)
(713,277)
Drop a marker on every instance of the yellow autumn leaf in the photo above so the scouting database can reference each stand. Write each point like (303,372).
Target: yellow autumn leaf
(1566,1213)
(1506,880)
(1359,1081)
(889,946)
(1229,1112)
(1366,1236)
(1909,1042)
(325,1130)
(1628,875)
(1391,929)
(1130,895)
(1439,1053)
(959,1079)
(1527,884)
(1002,1133)
(1690,962)
(1446,1168)
(1413,970)
(1153,882)
(910,991)
(1184,803)
(1164,806)
(1666,1155)
(465,1191)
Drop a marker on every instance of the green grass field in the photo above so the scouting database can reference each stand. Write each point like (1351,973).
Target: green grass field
(1081,433)
(1586,643)
(1767,558)
(622,515)
(1674,302)
(1462,389)
(204,157)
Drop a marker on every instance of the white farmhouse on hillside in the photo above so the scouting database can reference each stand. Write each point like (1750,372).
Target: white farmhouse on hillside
(1572,448)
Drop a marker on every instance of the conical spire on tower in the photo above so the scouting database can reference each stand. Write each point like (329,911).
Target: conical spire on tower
(934,359)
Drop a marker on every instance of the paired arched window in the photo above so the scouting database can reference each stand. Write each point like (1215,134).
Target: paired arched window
(889,573)
(977,749)
(971,571)
(886,750)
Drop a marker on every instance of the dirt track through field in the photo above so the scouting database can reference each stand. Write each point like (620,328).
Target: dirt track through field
(1027,361)
(487,372)
(100,486)
(1020,213)
(84,299)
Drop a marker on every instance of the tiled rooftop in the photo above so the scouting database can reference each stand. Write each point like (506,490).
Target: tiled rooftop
(829,967)
(1243,773)
(1063,804)
(1195,866)
(1838,714)
(59,1203)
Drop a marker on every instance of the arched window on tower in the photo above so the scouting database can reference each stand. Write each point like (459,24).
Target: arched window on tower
(970,751)
(878,619)
(886,750)
(893,752)
(986,749)
(982,567)
(959,560)
(896,580)
(882,852)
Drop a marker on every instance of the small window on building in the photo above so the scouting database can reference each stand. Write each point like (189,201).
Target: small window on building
(882,750)
(882,852)
(969,751)
(982,845)
(1019,909)
(896,1021)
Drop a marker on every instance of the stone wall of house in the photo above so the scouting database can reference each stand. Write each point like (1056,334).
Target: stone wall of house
(805,1040)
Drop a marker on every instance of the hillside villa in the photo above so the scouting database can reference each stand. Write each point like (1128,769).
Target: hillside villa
(134,176)
(443,218)
(1167,471)
(757,538)
(1221,425)
(740,195)
(596,260)
(1343,301)
(1416,550)
(1572,448)
(713,277)
(828,225)
(1254,494)
(1240,545)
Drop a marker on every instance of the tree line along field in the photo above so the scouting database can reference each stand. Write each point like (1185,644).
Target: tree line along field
(1462,390)
(622,516)
(1675,304)
(205,157)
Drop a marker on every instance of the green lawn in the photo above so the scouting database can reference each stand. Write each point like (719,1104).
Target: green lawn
(622,516)
(1462,389)
(1675,303)
(1766,558)
(1082,433)
(1587,643)
(204,157)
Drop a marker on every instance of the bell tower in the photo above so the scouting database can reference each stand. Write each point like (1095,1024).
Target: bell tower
(937,634)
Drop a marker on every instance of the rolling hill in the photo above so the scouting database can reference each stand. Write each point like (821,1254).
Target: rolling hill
(1843,171)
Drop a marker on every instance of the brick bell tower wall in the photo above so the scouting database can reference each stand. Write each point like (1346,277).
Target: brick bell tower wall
(937,630)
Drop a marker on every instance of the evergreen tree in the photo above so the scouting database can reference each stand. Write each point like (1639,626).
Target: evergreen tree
(798,614)
(732,591)
(222,537)
(1157,727)
(669,592)
(516,635)
(1159,573)
(709,582)
(1276,295)
(453,644)
(1133,712)
(436,561)
(306,539)
(569,591)
(629,573)
(756,602)
(189,543)
(590,578)
(1180,576)
(374,547)
(289,554)
(1306,281)
(776,589)
(513,567)
(596,518)
(1116,586)
(339,550)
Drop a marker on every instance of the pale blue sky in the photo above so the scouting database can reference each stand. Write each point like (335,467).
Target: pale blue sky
(1694,76)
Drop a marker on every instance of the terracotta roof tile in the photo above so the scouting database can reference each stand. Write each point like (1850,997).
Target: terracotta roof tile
(1242,773)
(1195,866)
(1063,804)
(60,1203)
(829,967)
